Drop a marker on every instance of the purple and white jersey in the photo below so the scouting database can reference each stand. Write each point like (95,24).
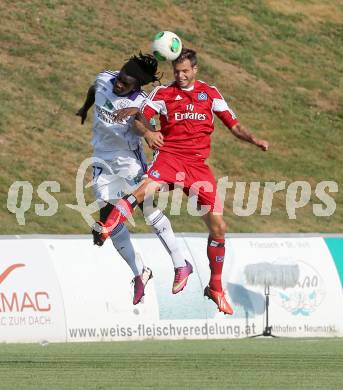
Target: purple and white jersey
(109,136)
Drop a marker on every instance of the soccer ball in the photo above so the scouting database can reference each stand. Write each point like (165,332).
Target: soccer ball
(166,46)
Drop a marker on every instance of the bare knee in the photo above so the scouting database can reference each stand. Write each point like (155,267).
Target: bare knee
(218,229)
(145,190)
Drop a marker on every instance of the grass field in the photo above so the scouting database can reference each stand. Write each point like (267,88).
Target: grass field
(228,364)
(279,64)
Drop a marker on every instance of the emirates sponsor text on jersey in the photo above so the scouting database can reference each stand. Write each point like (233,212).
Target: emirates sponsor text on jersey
(179,116)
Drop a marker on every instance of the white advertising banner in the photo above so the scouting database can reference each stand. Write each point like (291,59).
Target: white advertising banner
(31,306)
(312,308)
(192,314)
(97,292)
(66,289)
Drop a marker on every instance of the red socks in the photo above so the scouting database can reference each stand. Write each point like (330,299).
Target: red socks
(121,212)
(216,254)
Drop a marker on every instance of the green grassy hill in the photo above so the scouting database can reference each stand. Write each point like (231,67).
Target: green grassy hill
(279,64)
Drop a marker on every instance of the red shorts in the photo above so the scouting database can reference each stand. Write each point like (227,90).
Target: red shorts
(194,177)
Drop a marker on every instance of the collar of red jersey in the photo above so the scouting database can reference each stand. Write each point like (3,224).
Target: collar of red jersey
(192,88)
(188,89)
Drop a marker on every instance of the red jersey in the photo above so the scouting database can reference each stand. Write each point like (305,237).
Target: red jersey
(186,117)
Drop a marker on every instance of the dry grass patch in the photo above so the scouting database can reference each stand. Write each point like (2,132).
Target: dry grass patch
(232,75)
(315,11)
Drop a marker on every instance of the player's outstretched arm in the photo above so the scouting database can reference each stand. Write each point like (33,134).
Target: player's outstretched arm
(242,133)
(153,138)
(90,99)
(125,113)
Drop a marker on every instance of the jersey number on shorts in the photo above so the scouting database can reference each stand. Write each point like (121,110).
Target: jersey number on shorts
(96,172)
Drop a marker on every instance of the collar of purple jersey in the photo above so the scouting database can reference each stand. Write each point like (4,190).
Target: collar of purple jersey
(133,95)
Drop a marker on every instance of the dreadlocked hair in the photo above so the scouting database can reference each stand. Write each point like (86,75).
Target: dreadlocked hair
(143,68)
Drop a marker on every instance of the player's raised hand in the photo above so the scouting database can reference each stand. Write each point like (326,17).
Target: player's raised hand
(83,114)
(154,139)
(125,113)
(262,144)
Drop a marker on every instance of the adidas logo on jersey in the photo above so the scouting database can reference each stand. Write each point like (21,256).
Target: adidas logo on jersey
(178,97)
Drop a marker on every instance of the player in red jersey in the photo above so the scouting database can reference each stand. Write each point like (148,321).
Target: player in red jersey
(186,108)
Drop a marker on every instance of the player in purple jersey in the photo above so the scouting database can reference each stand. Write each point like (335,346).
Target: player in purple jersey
(122,163)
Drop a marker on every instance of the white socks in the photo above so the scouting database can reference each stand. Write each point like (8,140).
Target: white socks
(122,242)
(164,231)
(161,225)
